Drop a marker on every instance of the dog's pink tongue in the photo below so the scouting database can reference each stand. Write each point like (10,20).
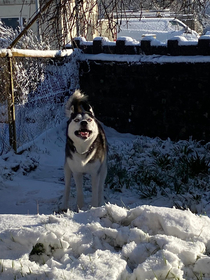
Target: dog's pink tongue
(84,134)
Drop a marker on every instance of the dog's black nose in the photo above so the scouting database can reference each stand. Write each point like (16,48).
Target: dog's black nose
(83,123)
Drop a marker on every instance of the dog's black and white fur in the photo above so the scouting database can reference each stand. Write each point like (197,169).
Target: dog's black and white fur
(86,150)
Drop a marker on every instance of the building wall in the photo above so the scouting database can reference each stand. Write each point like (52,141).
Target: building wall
(16,9)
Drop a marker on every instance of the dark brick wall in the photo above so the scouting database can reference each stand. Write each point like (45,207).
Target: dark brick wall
(154,97)
(165,100)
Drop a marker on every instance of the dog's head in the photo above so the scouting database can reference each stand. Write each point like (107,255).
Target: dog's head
(82,125)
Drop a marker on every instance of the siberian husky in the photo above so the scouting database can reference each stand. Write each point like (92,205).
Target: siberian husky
(86,150)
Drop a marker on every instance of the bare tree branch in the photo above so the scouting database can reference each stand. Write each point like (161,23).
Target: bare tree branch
(65,19)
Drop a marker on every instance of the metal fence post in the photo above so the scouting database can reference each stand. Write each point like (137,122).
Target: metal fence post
(11,107)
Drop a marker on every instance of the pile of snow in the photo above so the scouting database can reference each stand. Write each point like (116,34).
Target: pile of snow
(109,242)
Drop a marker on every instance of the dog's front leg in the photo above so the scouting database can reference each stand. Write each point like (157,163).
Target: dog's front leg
(78,177)
(95,185)
(67,175)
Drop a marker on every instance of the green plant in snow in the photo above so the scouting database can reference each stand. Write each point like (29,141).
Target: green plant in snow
(118,176)
(147,191)
(199,276)
(163,161)
(12,238)
(38,249)
(198,164)
(153,167)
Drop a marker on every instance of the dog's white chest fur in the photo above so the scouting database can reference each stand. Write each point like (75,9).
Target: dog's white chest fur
(80,164)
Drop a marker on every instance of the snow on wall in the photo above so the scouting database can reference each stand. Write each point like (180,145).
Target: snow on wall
(177,45)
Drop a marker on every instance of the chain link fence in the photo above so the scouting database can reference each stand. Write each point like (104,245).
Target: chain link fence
(41,88)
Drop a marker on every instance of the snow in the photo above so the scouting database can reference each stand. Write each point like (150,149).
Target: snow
(128,41)
(182,41)
(34,53)
(95,245)
(127,238)
(145,58)
(206,36)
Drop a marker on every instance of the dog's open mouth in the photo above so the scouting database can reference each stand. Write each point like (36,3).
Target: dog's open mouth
(83,133)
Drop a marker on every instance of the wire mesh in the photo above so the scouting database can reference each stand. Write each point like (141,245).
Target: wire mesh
(42,86)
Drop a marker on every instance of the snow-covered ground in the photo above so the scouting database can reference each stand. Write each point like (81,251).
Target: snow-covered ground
(128,238)
(110,242)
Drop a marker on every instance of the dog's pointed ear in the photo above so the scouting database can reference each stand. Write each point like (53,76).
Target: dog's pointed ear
(71,110)
(91,110)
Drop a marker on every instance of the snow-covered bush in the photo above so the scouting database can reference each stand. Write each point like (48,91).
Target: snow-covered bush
(28,41)
(178,170)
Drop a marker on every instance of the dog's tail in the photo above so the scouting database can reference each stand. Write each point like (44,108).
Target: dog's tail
(78,103)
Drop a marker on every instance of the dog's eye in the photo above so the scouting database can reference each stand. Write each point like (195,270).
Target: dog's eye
(89,120)
(76,120)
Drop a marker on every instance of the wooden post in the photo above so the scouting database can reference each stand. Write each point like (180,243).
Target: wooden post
(11,99)
(11,107)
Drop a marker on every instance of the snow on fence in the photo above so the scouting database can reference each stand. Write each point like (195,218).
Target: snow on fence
(41,81)
(148,46)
